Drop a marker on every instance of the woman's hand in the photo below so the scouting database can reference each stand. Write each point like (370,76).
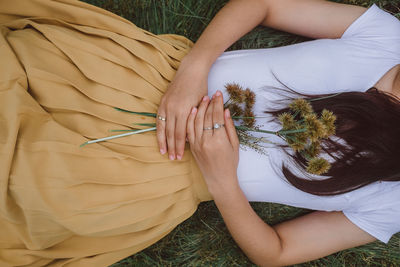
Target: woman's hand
(184,92)
(217,150)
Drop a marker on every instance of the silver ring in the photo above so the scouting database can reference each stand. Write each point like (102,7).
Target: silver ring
(207,128)
(218,126)
(161,118)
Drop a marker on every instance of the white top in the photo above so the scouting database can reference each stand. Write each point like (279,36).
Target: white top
(367,50)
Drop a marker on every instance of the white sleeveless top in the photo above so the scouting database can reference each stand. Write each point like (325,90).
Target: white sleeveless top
(367,50)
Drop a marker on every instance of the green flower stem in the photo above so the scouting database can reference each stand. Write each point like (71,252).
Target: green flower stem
(227,103)
(256,117)
(324,97)
(305,155)
(296,113)
(147,114)
(281,132)
(254,130)
(118,136)
(146,124)
(123,130)
(302,130)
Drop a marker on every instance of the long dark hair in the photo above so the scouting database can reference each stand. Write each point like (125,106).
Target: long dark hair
(368,127)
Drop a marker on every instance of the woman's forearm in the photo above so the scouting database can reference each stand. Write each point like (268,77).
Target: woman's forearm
(234,20)
(258,240)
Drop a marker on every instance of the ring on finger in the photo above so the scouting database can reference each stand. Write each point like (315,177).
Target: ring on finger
(218,125)
(161,118)
(207,128)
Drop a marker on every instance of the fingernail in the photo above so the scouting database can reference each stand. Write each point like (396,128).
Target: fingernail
(205,98)
(171,157)
(228,113)
(162,151)
(218,93)
(179,157)
(194,110)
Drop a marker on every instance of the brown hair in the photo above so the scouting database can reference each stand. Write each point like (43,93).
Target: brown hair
(369,124)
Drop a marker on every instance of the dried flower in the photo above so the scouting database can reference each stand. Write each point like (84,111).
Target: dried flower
(301,128)
(287,120)
(318,166)
(301,137)
(250,98)
(249,119)
(248,140)
(235,109)
(328,120)
(302,106)
(296,145)
(235,92)
(315,128)
(313,149)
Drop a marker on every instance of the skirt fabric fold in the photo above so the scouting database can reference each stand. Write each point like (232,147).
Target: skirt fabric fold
(65,66)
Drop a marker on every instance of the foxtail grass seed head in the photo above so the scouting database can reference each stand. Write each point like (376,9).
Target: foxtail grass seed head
(315,128)
(297,141)
(313,149)
(296,145)
(318,166)
(308,142)
(249,98)
(328,120)
(249,119)
(235,109)
(302,136)
(235,92)
(302,106)
(287,120)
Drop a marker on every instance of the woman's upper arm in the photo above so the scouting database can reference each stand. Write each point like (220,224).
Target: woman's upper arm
(311,18)
(317,235)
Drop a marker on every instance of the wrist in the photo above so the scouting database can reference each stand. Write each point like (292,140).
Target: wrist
(224,190)
(198,60)
(229,198)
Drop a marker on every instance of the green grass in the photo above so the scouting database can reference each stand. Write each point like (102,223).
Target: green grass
(203,239)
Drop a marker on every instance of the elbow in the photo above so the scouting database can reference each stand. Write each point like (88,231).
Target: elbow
(267,263)
(267,259)
(269,256)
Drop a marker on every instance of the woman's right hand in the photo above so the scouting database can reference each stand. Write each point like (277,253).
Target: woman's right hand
(184,92)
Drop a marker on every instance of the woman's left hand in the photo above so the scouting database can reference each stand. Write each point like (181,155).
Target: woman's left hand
(217,150)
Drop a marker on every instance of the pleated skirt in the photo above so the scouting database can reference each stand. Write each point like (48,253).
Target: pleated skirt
(64,66)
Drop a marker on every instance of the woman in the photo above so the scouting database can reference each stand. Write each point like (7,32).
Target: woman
(318,67)
(69,64)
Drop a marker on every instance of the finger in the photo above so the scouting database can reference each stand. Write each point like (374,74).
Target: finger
(191,136)
(161,139)
(170,133)
(208,122)
(199,120)
(180,134)
(218,111)
(230,129)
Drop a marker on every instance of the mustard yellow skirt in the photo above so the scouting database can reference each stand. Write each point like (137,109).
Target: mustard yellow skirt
(64,66)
